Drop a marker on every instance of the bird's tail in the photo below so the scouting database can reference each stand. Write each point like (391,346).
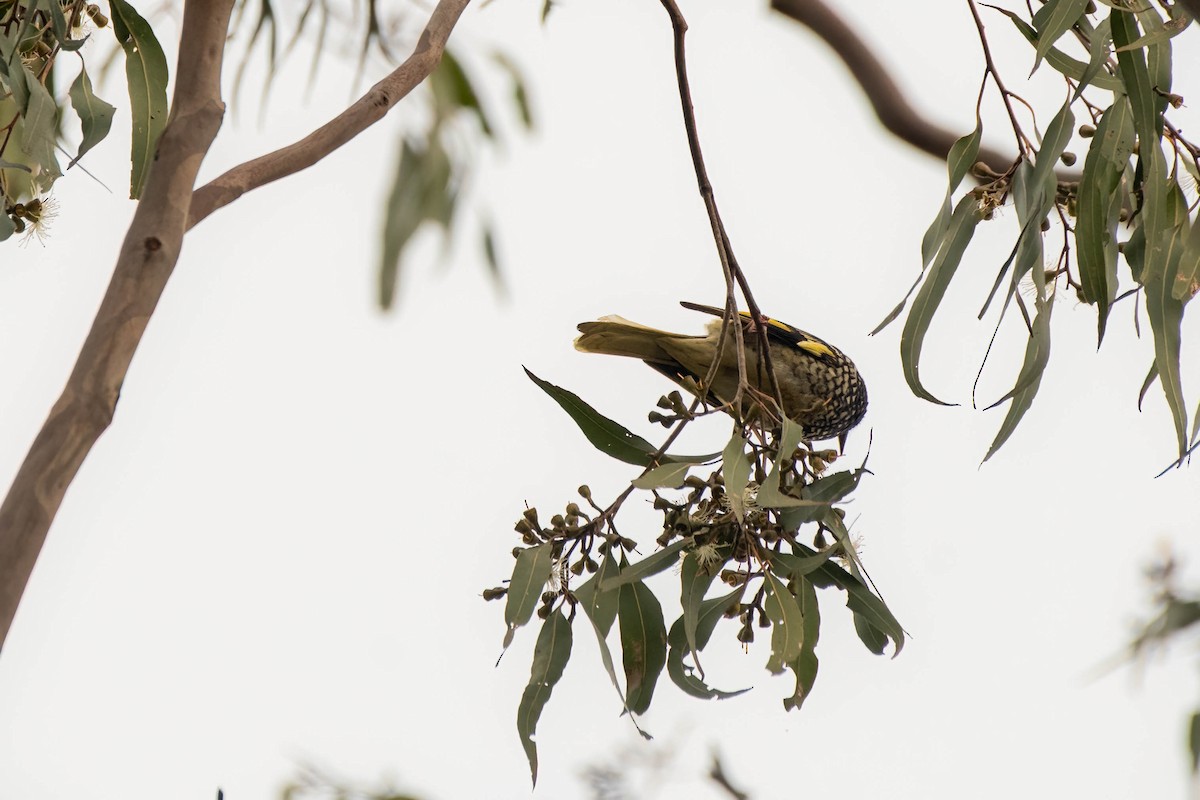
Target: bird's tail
(617,336)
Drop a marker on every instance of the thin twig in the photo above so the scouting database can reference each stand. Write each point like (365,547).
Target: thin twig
(991,67)
(729,265)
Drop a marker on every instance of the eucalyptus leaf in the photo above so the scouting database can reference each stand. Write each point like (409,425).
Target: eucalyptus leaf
(95,115)
(1051,21)
(694,579)
(607,436)
(529,577)
(550,656)
(958,235)
(147,75)
(643,643)
(650,565)
(787,624)
(805,665)
(710,613)
(1099,207)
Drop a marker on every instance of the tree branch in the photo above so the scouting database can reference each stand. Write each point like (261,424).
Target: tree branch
(145,262)
(368,110)
(886,98)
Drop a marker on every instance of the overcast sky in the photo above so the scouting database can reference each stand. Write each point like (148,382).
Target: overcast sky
(275,554)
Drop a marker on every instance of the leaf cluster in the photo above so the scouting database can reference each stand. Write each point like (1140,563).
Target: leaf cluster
(1127,207)
(33,36)
(731,530)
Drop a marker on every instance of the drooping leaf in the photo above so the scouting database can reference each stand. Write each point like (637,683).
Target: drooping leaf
(1037,355)
(959,160)
(147,74)
(1100,205)
(694,580)
(1166,318)
(708,615)
(453,91)
(859,598)
(1098,46)
(787,624)
(38,133)
(805,665)
(529,577)
(600,607)
(769,493)
(550,656)
(607,436)
(736,466)
(643,643)
(95,115)
(422,191)
(1071,67)
(1187,277)
(958,235)
(822,492)
(1051,21)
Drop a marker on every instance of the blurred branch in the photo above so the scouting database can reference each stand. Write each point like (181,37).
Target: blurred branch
(364,113)
(891,107)
(145,263)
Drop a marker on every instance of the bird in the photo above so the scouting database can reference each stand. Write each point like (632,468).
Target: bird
(820,387)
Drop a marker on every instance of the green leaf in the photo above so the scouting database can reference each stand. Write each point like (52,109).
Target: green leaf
(787,624)
(600,607)
(769,493)
(736,466)
(959,160)
(650,565)
(643,643)
(1100,206)
(607,436)
(859,598)
(709,614)
(805,665)
(1166,318)
(38,127)
(869,635)
(1051,21)
(1187,277)
(421,192)
(669,476)
(694,582)
(1071,67)
(1159,35)
(453,90)
(7,228)
(1099,40)
(822,492)
(550,656)
(529,577)
(801,566)
(958,236)
(95,115)
(600,604)
(146,72)
(1037,355)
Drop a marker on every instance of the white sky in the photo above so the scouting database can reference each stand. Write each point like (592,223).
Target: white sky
(275,554)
